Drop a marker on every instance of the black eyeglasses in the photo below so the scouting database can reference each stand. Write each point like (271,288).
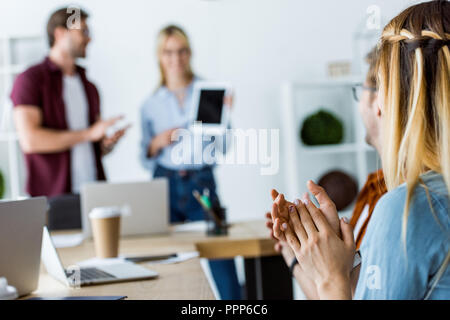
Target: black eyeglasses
(358,90)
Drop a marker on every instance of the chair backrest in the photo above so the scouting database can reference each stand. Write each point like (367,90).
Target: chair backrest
(64,212)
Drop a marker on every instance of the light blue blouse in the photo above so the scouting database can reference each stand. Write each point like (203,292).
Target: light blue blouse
(390,272)
(160,112)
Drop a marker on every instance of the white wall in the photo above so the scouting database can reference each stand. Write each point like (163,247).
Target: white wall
(255,44)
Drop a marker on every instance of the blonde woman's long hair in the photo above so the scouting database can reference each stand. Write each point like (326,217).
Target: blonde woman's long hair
(414,80)
(163,35)
(414,62)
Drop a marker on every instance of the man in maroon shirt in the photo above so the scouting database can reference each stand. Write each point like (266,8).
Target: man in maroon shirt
(57,114)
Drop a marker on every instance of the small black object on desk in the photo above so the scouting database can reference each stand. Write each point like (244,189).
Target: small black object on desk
(217,227)
(215,215)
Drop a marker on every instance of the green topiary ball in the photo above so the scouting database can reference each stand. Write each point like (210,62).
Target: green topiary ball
(2,185)
(320,128)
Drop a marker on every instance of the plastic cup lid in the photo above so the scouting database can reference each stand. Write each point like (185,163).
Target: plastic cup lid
(105,212)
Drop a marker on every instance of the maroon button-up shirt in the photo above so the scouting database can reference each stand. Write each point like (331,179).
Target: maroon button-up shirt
(49,174)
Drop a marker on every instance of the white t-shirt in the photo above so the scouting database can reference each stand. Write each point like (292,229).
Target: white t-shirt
(361,220)
(83,168)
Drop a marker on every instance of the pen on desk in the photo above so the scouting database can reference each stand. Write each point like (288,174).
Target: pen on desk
(206,199)
(150,258)
(197,196)
(200,198)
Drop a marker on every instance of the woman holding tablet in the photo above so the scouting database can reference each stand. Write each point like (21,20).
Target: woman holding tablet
(165,111)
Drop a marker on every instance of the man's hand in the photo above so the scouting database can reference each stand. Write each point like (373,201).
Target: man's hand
(34,137)
(108,143)
(97,131)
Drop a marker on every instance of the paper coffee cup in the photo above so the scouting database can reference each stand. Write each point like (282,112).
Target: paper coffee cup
(105,223)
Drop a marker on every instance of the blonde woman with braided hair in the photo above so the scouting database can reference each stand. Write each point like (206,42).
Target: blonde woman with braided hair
(405,251)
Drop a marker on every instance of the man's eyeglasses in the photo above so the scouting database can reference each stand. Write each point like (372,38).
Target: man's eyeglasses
(84,31)
(358,90)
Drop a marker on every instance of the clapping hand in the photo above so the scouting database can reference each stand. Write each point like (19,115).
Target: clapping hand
(327,207)
(323,244)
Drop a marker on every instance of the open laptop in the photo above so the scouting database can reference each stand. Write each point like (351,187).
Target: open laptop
(81,276)
(21,224)
(148,203)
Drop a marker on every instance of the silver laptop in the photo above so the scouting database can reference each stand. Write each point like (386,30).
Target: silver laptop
(81,276)
(21,224)
(148,203)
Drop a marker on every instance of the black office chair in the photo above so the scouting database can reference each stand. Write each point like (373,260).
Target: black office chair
(64,212)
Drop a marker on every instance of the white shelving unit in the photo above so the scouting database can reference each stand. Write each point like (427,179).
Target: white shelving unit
(353,156)
(17,53)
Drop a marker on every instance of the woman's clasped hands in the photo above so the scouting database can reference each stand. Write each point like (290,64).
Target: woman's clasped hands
(323,244)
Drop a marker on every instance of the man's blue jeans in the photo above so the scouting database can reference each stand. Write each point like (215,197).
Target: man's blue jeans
(184,207)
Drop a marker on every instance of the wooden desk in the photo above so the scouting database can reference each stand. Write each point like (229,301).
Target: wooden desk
(184,280)
(252,241)
(249,239)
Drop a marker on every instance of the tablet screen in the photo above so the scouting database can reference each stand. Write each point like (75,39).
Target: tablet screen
(210,106)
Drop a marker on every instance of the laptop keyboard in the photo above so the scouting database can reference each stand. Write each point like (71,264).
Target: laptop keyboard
(88,275)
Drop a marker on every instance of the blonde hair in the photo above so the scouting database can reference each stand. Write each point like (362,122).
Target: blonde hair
(163,35)
(414,78)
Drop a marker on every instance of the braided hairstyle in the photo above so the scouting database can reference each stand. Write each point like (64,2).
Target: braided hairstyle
(414,83)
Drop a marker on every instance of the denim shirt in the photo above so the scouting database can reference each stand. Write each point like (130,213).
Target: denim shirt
(160,112)
(393,269)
